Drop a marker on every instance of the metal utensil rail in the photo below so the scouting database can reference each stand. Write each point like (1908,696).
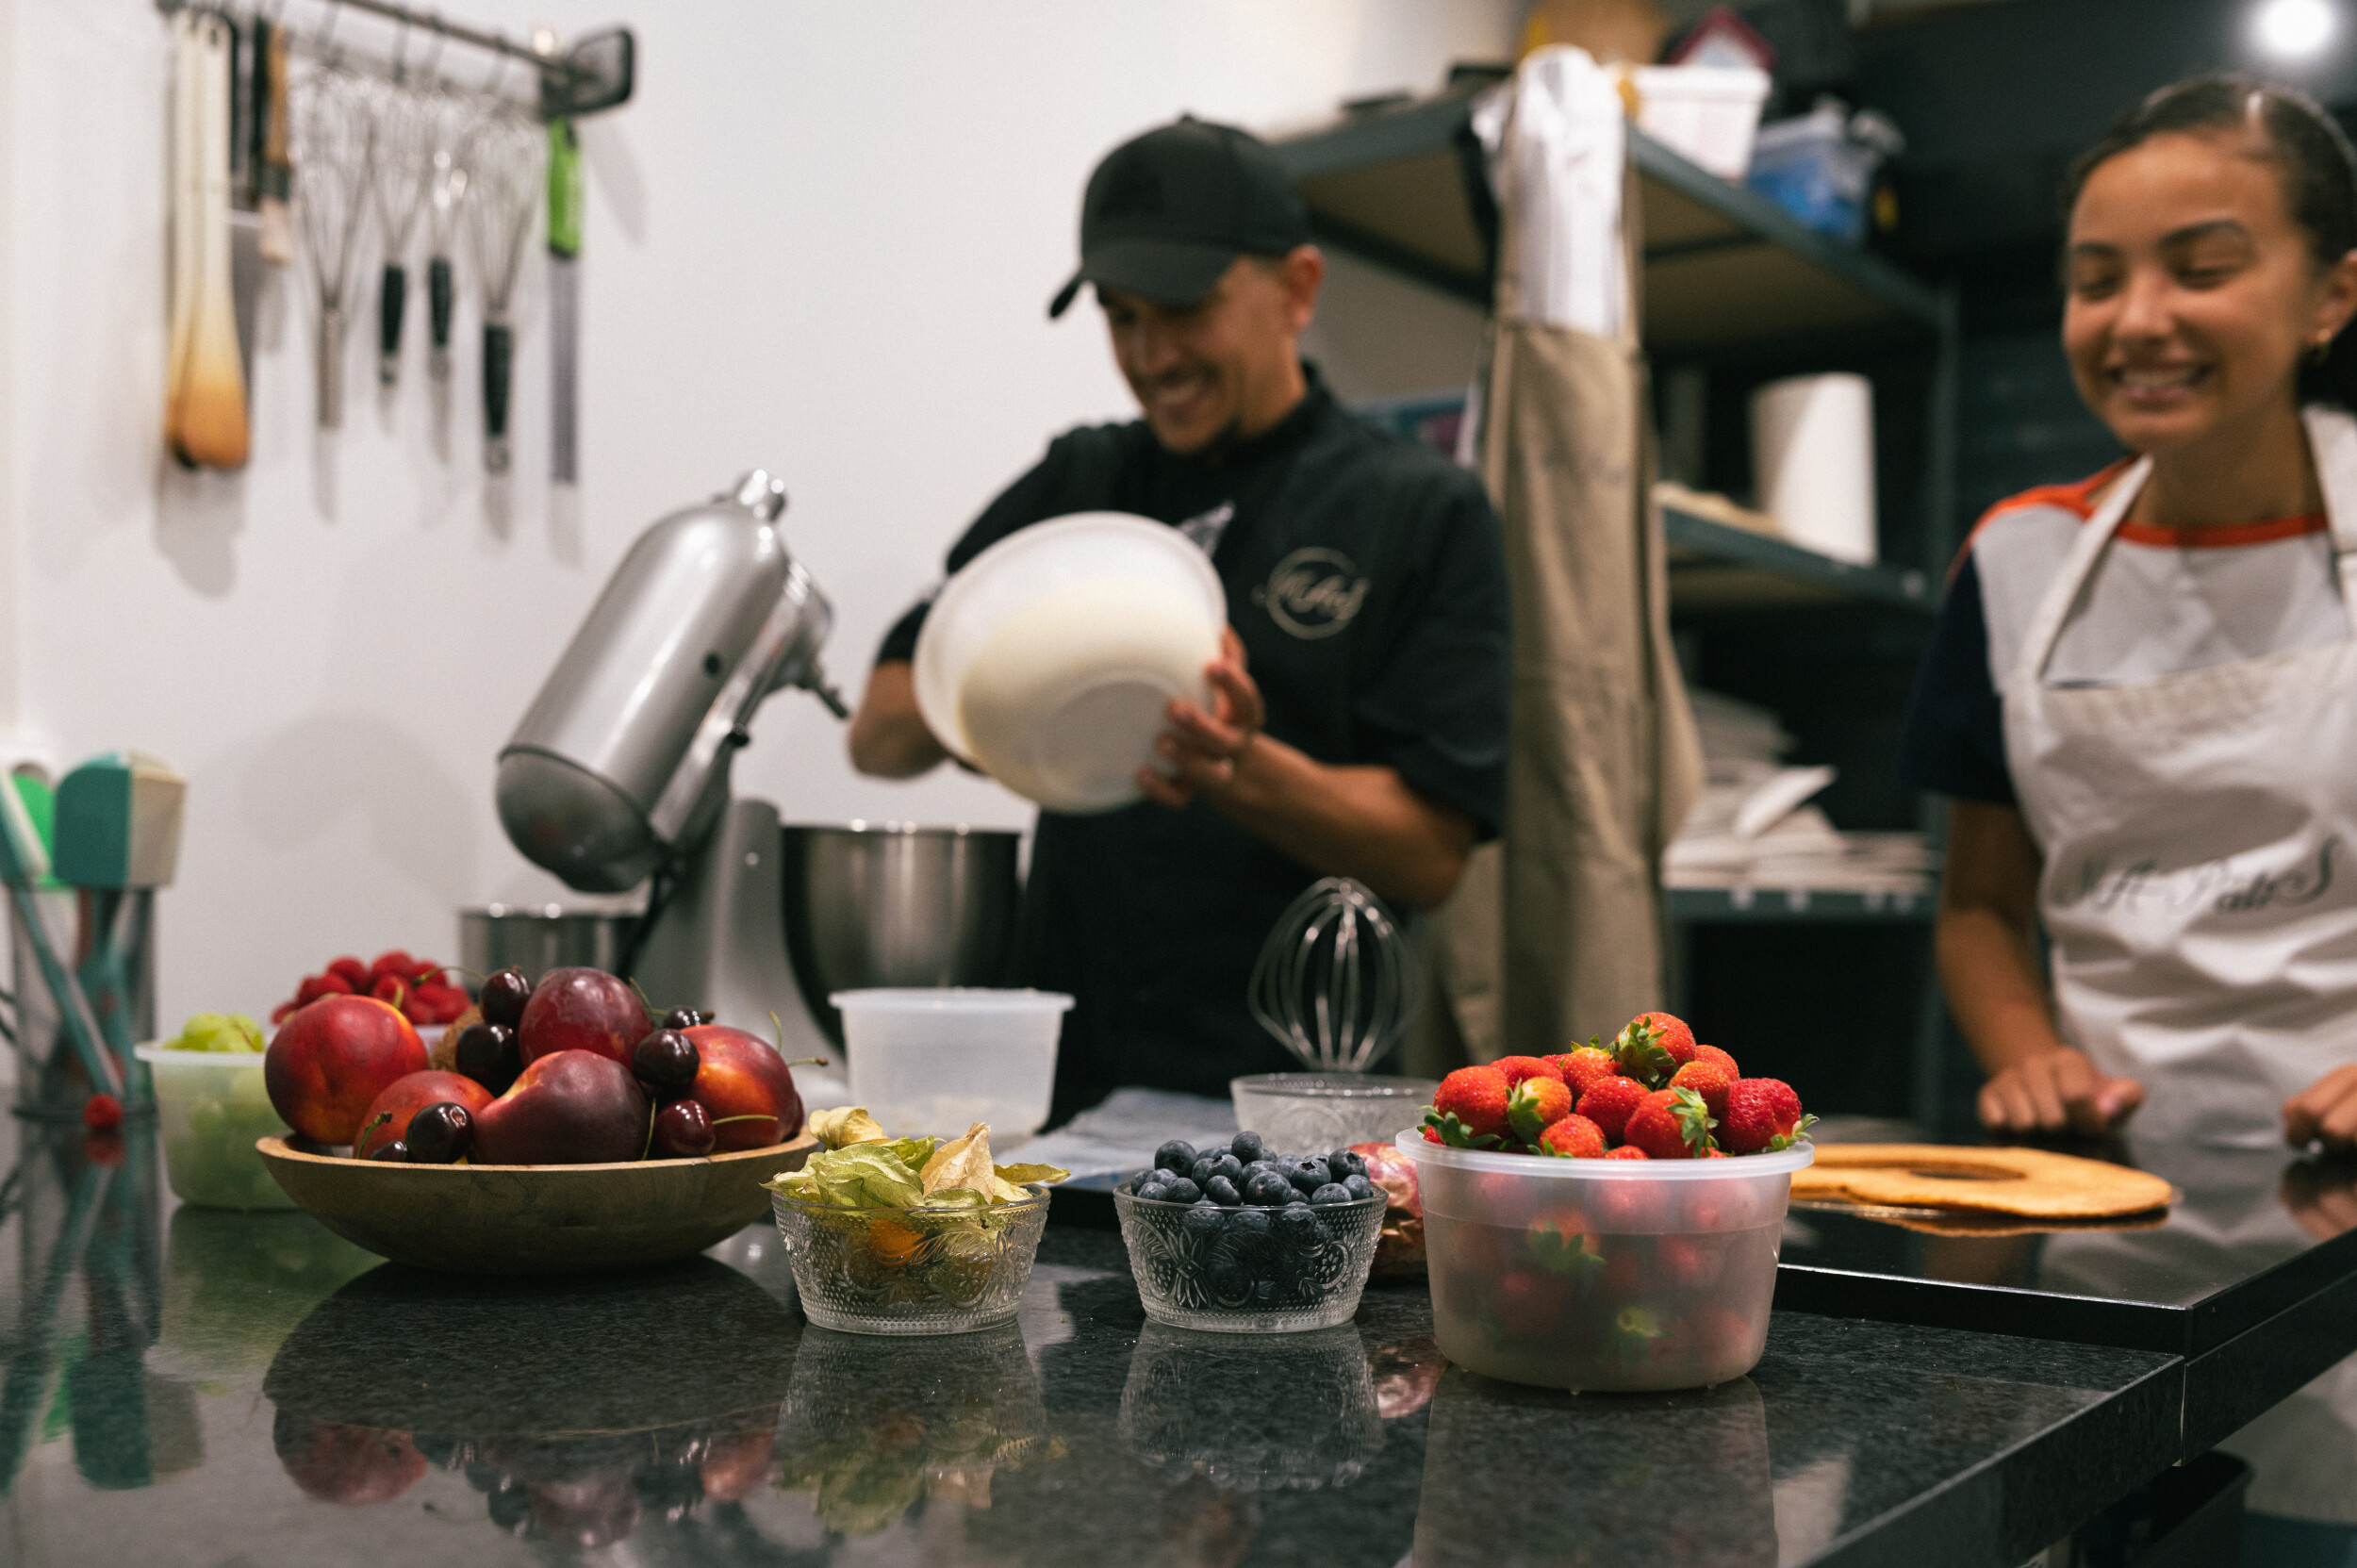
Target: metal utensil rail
(561,76)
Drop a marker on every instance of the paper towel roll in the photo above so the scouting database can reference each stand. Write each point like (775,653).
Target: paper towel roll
(1813,454)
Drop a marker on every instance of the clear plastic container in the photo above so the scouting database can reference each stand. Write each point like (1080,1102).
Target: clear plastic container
(1602,1274)
(1708,113)
(1241,1271)
(210,1107)
(1813,168)
(933,1061)
(911,1271)
(1319,1113)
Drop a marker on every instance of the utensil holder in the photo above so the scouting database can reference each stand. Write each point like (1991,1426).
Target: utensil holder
(51,1082)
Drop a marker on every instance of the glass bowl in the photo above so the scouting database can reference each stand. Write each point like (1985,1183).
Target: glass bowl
(1317,1113)
(911,1271)
(1602,1275)
(211,1107)
(1235,1271)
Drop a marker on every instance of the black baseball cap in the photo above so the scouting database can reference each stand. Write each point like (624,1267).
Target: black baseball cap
(1167,212)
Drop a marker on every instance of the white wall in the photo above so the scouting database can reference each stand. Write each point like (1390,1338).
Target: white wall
(821,240)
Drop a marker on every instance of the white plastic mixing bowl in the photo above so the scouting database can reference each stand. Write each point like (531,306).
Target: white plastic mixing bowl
(1049,660)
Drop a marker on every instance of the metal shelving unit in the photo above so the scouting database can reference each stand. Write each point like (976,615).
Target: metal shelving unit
(1734,284)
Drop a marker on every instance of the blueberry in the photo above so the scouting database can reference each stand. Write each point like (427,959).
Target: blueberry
(1203,1219)
(1295,1227)
(1359,1187)
(1268,1187)
(1248,1225)
(1332,1192)
(1231,1282)
(1182,1191)
(1177,1156)
(1222,1191)
(1265,1293)
(1154,1191)
(1306,1175)
(1228,1166)
(1202,1171)
(1341,1165)
(1248,1147)
(1263,1162)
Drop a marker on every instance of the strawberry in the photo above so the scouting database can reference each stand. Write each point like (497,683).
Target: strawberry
(1584,1067)
(1610,1102)
(1763,1113)
(391,989)
(1521,1069)
(423,970)
(357,975)
(101,1112)
(1627,1151)
(1643,1052)
(1560,1243)
(1674,1036)
(1536,1104)
(1572,1137)
(1469,1110)
(1527,1306)
(1672,1124)
(315,986)
(1712,1053)
(1433,1136)
(1708,1080)
(393,962)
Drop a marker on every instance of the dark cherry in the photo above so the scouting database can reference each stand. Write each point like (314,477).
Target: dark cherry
(439,1134)
(684,1017)
(503,995)
(487,1053)
(683,1130)
(667,1061)
(394,1153)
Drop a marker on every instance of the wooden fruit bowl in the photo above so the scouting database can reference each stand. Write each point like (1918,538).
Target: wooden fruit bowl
(534,1219)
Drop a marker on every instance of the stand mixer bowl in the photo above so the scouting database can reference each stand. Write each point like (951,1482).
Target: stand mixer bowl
(887,904)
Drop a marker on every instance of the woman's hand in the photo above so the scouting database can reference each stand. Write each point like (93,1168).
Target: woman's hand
(1204,747)
(2060,1091)
(2324,1113)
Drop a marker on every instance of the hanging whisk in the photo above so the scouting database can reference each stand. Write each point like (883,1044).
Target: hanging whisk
(503,193)
(334,136)
(446,196)
(1336,980)
(403,125)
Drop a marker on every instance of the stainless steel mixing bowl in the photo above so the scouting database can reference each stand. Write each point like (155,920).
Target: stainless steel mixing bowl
(885,904)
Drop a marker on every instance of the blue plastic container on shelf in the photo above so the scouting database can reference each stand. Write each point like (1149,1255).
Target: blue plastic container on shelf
(1819,170)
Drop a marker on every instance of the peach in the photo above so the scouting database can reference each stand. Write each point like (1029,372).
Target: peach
(331,1058)
(743,1075)
(405,1096)
(582,1008)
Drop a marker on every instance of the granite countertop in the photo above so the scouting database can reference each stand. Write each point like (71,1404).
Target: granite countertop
(2250,1275)
(251,1389)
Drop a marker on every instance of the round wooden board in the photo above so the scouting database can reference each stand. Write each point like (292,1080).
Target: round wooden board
(534,1219)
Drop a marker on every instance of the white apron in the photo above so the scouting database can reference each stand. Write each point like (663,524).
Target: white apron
(2199,835)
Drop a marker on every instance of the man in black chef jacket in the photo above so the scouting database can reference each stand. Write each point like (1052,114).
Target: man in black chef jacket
(1359,714)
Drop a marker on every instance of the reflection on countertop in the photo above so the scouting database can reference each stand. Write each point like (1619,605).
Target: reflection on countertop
(249,1389)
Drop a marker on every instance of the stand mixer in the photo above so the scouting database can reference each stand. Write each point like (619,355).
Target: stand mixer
(618,771)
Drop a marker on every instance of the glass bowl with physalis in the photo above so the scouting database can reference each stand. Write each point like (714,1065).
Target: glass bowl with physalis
(919,1235)
(211,1106)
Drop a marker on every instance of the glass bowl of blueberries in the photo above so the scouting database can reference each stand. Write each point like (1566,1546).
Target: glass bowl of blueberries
(1237,1240)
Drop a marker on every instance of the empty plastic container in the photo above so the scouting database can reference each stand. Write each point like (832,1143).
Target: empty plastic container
(932,1062)
(1602,1274)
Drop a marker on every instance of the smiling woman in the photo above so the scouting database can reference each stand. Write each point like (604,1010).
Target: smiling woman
(2141,697)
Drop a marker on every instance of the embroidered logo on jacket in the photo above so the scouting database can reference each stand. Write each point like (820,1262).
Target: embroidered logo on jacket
(1314,592)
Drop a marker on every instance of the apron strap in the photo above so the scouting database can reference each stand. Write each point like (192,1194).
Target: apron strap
(2037,644)
(2333,444)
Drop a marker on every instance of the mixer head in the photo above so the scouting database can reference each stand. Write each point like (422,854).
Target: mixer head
(622,762)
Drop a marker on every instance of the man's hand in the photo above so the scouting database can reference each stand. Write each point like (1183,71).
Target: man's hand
(1204,748)
(2322,1195)
(2057,1091)
(2324,1113)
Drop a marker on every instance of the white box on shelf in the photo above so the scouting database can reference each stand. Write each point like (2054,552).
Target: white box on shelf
(1705,113)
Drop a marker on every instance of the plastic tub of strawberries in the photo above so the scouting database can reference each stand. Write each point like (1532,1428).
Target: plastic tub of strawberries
(1633,1247)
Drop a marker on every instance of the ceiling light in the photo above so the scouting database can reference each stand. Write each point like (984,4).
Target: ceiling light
(2294,29)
